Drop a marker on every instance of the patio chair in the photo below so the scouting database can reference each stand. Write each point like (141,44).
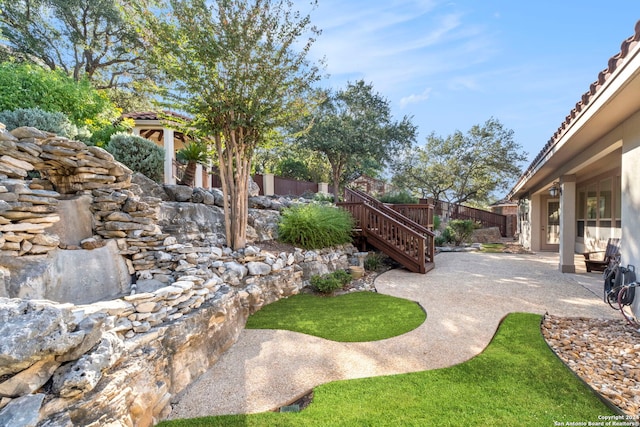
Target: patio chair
(612,249)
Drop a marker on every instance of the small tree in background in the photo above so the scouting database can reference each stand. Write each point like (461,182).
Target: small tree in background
(459,231)
(279,159)
(293,169)
(353,129)
(139,154)
(462,167)
(192,154)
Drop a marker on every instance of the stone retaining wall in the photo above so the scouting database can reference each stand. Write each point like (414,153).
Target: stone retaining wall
(119,362)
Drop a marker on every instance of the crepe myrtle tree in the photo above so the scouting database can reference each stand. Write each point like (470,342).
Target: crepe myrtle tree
(240,69)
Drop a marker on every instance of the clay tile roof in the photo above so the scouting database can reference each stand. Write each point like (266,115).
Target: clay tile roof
(614,62)
(152,115)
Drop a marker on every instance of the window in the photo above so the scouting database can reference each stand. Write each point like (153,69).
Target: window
(605,199)
(592,201)
(598,209)
(618,202)
(582,203)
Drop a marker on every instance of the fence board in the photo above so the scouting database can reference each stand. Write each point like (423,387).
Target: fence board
(282,186)
(486,218)
(293,187)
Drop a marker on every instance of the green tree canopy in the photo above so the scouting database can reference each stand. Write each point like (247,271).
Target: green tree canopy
(86,39)
(355,130)
(462,167)
(92,40)
(239,70)
(31,86)
(279,159)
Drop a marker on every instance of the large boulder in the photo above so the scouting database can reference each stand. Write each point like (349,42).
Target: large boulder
(179,193)
(76,220)
(265,223)
(33,330)
(79,377)
(191,221)
(149,187)
(22,412)
(101,274)
(253,188)
(486,235)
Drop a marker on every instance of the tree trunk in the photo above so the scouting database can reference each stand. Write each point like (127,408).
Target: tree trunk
(189,176)
(234,174)
(336,185)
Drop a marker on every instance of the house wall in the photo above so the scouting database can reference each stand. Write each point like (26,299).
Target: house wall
(630,180)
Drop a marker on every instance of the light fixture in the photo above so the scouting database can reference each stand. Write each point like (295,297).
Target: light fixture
(555,190)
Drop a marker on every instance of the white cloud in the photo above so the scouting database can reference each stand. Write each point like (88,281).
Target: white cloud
(393,44)
(415,98)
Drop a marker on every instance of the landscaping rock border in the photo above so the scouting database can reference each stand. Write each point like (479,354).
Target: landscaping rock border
(601,352)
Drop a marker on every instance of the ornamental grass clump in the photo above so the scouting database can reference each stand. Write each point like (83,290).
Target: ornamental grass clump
(314,226)
(374,261)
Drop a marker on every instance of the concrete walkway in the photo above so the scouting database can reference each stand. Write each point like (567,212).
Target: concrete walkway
(465,297)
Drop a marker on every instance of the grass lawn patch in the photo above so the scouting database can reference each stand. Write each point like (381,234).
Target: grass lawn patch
(353,317)
(492,247)
(516,381)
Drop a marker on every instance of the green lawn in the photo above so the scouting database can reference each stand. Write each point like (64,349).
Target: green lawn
(492,247)
(353,317)
(516,381)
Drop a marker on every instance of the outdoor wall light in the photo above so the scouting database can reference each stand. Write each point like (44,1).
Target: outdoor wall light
(555,190)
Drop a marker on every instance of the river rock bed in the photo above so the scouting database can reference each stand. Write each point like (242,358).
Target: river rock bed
(603,353)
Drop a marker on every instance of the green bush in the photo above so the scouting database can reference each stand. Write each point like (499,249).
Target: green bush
(57,122)
(447,235)
(459,231)
(102,136)
(323,197)
(437,221)
(139,154)
(343,276)
(373,261)
(292,169)
(31,86)
(440,240)
(328,283)
(401,198)
(314,226)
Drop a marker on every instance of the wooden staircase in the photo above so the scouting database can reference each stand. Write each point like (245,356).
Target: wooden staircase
(404,240)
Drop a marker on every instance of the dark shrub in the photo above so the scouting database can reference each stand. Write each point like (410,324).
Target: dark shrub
(139,154)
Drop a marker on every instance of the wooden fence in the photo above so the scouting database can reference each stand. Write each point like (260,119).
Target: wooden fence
(293,187)
(281,186)
(454,211)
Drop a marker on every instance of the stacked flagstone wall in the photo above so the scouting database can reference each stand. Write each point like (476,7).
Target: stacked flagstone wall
(119,361)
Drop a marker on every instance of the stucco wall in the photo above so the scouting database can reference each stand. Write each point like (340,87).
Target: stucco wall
(631,195)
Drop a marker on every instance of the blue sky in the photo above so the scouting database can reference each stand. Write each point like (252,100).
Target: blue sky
(454,64)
